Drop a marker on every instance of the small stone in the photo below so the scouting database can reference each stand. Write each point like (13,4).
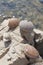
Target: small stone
(13,22)
(26,30)
(31,52)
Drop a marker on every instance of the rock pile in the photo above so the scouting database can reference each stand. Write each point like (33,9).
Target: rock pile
(14,50)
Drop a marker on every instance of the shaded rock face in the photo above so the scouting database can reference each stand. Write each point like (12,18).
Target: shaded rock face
(13,22)
(39,47)
(31,52)
(38,39)
(14,54)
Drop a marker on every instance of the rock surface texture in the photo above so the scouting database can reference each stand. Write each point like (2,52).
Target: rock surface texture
(13,53)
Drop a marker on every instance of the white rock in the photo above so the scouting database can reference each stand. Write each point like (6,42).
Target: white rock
(17,56)
(6,37)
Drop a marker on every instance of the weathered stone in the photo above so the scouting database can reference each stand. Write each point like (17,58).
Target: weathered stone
(17,56)
(6,37)
(13,22)
(26,30)
(3,52)
(13,54)
(31,52)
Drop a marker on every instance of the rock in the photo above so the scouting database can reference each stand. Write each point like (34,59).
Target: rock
(38,38)
(31,52)
(13,22)
(17,56)
(38,63)
(14,54)
(3,52)
(26,30)
(37,31)
(6,37)
(4,24)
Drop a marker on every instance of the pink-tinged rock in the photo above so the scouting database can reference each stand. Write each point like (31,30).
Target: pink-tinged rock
(31,52)
(13,22)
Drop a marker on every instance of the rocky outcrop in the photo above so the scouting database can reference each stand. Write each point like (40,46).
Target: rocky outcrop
(12,53)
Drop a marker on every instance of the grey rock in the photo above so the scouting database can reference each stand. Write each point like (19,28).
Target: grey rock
(39,41)
(26,30)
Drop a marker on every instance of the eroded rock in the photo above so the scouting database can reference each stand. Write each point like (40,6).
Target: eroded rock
(13,22)
(26,30)
(17,56)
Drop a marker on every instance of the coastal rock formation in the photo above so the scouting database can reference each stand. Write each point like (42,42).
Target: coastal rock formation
(13,53)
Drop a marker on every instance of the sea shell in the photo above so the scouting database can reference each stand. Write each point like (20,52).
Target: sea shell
(6,37)
(13,22)
(30,51)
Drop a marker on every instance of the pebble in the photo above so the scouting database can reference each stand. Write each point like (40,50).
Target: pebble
(13,22)
(31,52)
